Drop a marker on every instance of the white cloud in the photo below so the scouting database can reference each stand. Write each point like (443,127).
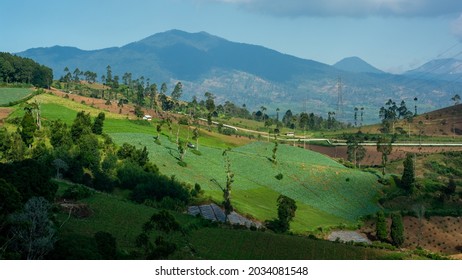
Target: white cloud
(349,8)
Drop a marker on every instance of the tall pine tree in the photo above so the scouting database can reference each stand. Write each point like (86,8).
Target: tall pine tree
(408,178)
(381,227)
(397,230)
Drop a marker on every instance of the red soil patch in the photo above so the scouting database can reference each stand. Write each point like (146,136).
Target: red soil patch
(436,234)
(375,158)
(4,112)
(127,109)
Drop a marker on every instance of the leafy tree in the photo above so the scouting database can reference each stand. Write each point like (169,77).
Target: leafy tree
(397,230)
(138,112)
(97,127)
(60,134)
(286,213)
(162,248)
(450,188)
(163,88)
(210,102)
(81,125)
(384,146)
(60,164)
(17,148)
(108,81)
(28,127)
(182,146)
(10,200)
(196,137)
(227,189)
(286,210)
(33,231)
(16,69)
(177,91)
(152,95)
(355,151)
(275,149)
(88,155)
(408,177)
(381,227)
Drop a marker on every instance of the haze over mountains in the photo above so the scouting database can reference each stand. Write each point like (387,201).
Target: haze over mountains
(255,75)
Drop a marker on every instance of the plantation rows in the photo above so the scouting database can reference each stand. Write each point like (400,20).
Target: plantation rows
(310,178)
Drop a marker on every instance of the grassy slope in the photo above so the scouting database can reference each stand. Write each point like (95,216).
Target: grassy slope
(217,243)
(324,195)
(327,193)
(12,94)
(124,219)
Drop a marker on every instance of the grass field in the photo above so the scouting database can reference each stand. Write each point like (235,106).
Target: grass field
(8,95)
(326,192)
(222,244)
(124,219)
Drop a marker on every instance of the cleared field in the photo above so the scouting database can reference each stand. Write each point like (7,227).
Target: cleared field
(326,192)
(8,95)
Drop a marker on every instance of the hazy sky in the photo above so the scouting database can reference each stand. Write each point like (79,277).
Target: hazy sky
(393,35)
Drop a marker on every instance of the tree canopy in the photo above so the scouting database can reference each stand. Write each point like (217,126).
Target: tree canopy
(15,69)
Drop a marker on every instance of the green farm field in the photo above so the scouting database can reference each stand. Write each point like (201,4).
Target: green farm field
(124,219)
(8,95)
(327,193)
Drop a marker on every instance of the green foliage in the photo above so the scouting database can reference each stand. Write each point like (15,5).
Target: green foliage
(397,230)
(28,127)
(33,231)
(75,247)
(225,244)
(77,192)
(381,231)
(10,200)
(316,182)
(162,248)
(36,183)
(97,127)
(279,176)
(106,244)
(130,152)
(81,125)
(384,146)
(60,134)
(15,69)
(139,113)
(408,177)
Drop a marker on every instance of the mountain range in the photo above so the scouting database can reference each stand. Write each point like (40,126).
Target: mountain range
(254,75)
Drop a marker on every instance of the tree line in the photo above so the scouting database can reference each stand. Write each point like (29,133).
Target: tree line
(15,69)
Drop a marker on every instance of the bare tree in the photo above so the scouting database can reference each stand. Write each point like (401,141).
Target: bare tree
(33,231)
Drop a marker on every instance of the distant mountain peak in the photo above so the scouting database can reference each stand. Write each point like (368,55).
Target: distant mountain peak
(356,65)
(199,40)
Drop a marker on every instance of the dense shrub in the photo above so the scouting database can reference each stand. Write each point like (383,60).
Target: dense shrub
(77,192)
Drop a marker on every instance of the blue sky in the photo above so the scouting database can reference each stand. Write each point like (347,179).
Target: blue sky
(393,35)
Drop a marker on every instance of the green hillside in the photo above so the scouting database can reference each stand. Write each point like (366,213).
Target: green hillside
(8,95)
(124,220)
(326,192)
